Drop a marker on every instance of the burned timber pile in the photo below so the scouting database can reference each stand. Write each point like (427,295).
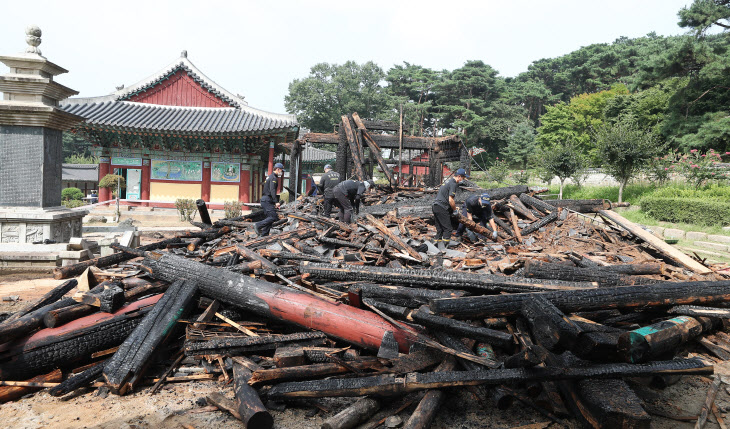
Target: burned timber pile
(570,302)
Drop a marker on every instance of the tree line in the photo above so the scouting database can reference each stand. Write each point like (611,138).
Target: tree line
(663,93)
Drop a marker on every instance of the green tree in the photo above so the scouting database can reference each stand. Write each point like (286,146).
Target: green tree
(75,145)
(563,160)
(412,86)
(68,194)
(333,90)
(703,14)
(521,146)
(625,149)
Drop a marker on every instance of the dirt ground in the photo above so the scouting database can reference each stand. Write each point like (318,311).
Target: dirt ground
(182,405)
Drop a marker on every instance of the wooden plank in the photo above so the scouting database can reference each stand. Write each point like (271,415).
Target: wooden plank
(374,148)
(656,242)
(353,148)
(398,242)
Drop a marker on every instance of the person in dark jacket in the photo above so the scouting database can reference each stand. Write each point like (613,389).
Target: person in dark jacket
(443,206)
(478,209)
(313,188)
(327,184)
(348,194)
(270,201)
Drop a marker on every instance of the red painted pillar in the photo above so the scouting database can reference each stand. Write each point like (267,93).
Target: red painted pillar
(104,166)
(145,191)
(271,157)
(206,182)
(244,185)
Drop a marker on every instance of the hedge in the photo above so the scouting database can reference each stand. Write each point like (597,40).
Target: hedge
(687,210)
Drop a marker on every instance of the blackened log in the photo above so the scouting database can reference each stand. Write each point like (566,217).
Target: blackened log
(354,245)
(300,234)
(353,415)
(106,261)
(582,206)
(400,244)
(374,149)
(531,355)
(279,302)
(77,381)
(534,226)
(608,404)
(254,414)
(635,269)
(72,343)
(253,256)
(317,370)
(709,400)
(49,298)
(388,385)
(30,322)
(549,270)
(208,237)
(232,346)
(536,203)
(425,317)
(246,267)
(203,211)
(550,327)
(661,339)
(656,295)
(417,295)
(442,279)
(520,208)
(346,127)
(598,346)
(293,256)
(11,393)
(473,226)
(125,369)
(392,310)
(427,409)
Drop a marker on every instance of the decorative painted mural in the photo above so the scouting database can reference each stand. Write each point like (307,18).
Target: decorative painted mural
(176,170)
(225,172)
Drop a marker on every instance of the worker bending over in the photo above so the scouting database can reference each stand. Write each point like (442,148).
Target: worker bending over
(348,194)
(327,184)
(479,207)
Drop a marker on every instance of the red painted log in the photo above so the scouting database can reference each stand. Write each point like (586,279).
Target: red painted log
(275,301)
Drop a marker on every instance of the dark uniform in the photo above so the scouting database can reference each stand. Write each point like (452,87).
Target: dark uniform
(442,210)
(327,184)
(269,198)
(348,194)
(480,214)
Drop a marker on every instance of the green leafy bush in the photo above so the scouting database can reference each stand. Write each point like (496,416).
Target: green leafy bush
(232,209)
(711,192)
(699,211)
(69,194)
(186,209)
(72,203)
(110,181)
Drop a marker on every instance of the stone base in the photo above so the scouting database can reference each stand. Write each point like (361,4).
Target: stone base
(28,225)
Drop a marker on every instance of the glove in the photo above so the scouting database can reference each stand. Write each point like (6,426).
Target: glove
(494,235)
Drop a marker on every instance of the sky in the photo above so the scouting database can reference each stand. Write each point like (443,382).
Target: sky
(257,48)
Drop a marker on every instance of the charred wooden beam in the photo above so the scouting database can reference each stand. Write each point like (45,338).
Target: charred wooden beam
(473,226)
(550,327)
(11,393)
(299,234)
(203,212)
(534,226)
(401,293)
(350,244)
(77,381)
(400,244)
(661,339)
(695,310)
(353,415)
(374,148)
(389,385)
(434,279)
(273,254)
(656,295)
(357,161)
(536,203)
(125,369)
(317,370)
(253,256)
(52,296)
(229,346)
(582,206)
(254,414)
(427,409)
(27,324)
(548,270)
(520,208)
(106,261)
(665,249)
(426,318)
(208,237)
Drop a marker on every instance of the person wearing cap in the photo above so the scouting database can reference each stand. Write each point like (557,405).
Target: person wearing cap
(480,207)
(443,206)
(327,184)
(270,201)
(348,194)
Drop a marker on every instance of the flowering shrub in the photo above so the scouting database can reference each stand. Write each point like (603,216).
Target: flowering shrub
(499,170)
(698,167)
(659,168)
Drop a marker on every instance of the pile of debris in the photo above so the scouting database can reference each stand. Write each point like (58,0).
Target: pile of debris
(570,301)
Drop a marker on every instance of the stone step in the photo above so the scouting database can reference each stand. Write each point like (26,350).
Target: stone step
(720,257)
(719,247)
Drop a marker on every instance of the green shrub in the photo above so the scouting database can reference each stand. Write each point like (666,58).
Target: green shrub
(72,203)
(69,194)
(699,211)
(232,209)
(186,209)
(713,192)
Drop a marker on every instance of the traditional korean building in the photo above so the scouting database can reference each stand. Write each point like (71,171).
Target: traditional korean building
(178,134)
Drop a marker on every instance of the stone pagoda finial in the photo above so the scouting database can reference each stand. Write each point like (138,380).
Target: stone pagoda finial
(33,39)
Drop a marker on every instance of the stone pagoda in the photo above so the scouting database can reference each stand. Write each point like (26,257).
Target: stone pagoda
(31,126)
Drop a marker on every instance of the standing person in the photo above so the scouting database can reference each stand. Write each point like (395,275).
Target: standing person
(480,207)
(270,201)
(443,206)
(348,194)
(327,184)
(313,189)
